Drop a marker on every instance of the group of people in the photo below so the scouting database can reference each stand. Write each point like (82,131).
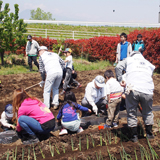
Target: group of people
(103,95)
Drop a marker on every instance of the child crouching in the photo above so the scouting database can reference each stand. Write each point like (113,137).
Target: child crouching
(114,93)
(6,118)
(70,119)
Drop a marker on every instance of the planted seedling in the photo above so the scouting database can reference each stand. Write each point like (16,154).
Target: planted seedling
(109,137)
(93,144)
(7,155)
(22,154)
(101,142)
(41,152)
(79,143)
(51,149)
(153,152)
(63,147)
(87,142)
(105,139)
(57,150)
(135,154)
(111,157)
(34,153)
(124,155)
(14,155)
(29,153)
(72,144)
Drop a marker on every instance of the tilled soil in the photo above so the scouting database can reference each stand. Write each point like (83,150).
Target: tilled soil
(103,146)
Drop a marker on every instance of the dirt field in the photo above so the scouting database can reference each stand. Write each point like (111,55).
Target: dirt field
(106,142)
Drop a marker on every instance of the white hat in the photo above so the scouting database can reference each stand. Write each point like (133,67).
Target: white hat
(100,81)
(42,48)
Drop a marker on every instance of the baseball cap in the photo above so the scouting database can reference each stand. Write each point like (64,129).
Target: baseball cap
(100,81)
(68,50)
(9,110)
(29,37)
(42,48)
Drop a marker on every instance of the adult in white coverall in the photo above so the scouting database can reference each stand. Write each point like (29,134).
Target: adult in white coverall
(139,89)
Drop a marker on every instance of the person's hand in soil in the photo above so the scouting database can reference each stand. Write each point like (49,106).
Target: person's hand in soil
(13,127)
(123,96)
(89,110)
(123,84)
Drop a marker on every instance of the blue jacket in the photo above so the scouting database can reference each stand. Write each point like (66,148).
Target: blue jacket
(136,45)
(67,113)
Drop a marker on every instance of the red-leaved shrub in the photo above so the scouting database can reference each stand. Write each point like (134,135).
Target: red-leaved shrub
(104,48)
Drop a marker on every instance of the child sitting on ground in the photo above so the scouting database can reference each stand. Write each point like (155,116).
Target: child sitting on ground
(70,119)
(6,118)
(114,93)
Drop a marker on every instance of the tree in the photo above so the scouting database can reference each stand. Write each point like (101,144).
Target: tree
(11,30)
(39,14)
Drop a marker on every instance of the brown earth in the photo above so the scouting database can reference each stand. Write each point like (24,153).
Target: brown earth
(10,82)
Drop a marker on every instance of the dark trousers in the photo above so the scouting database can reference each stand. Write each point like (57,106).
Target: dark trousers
(34,59)
(67,78)
(101,104)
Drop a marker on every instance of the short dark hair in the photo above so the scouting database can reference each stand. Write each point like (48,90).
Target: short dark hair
(139,36)
(108,74)
(124,35)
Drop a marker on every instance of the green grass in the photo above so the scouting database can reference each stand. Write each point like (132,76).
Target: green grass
(15,69)
(102,29)
(79,65)
(83,65)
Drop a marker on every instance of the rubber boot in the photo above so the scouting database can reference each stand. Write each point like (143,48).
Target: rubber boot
(134,137)
(149,132)
(31,139)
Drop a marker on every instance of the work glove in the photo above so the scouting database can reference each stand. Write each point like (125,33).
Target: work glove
(41,84)
(95,109)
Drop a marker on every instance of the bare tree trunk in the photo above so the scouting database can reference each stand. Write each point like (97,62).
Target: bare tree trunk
(2,57)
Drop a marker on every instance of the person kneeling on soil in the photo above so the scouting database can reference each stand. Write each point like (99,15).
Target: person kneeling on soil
(33,117)
(6,118)
(139,89)
(114,92)
(70,119)
(94,96)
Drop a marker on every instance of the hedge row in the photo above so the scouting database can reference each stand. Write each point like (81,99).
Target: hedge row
(104,48)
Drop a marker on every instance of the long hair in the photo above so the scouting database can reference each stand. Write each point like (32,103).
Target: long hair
(19,96)
(70,98)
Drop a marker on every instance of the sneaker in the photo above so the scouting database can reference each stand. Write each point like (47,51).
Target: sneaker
(63,92)
(63,132)
(80,130)
(78,86)
(115,125)
(55,107)
(31,140)
(107,126)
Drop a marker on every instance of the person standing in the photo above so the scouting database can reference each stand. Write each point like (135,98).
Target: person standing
(51,68)
(138,45)
(139,89)
(124,48)
(31,51)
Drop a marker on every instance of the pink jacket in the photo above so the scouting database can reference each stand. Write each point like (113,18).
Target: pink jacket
(36,110)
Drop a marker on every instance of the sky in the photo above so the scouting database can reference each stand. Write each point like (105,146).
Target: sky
(126,11)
